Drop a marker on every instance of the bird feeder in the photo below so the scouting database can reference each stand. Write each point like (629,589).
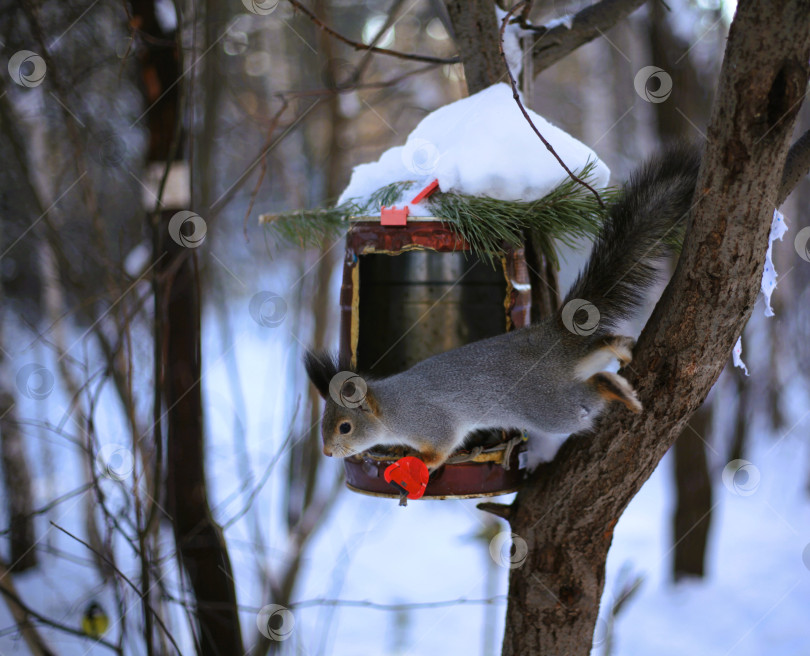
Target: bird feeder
(418,276)
(415,286)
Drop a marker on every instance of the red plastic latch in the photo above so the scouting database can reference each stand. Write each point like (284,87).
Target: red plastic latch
(433,186)
(391,216)
(409,473)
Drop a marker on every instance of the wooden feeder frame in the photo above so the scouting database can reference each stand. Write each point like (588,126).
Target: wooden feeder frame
(484,472)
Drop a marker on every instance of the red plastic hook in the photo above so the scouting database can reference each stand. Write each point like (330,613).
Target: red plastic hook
(410,475)
(433,186)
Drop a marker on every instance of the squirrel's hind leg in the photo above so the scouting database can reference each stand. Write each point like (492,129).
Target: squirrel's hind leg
(614,387)
(619,347)
(432,458)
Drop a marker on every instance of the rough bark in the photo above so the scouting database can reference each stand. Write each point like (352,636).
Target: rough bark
(475,30)
(567,512)
(19,498)
(796,165)
(16,475)
(553,44)
(692,514)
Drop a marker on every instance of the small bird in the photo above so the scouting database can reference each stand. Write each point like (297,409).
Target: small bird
(95,621)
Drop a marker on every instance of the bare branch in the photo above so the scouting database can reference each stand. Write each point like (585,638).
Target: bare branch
(498,509)
(54,502)
(797,165)
(21,612)
(516,96)
(370,48)
(352,603)
(558,41)
(126,580)
(398,607)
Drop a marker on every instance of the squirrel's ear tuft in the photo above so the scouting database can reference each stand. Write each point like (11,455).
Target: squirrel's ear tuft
(321,368)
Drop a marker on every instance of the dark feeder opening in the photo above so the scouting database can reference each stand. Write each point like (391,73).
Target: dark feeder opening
(410,292)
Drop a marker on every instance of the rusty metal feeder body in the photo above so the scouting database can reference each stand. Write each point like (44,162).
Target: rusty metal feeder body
(395,277)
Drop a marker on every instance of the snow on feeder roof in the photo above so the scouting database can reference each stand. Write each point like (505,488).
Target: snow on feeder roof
(496,179)
(475,177)
(477,146)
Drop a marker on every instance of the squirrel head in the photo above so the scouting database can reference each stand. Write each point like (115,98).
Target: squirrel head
(351,422)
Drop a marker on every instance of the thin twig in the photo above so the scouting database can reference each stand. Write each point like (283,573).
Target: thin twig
(345,88)
(53,503)
(27,610)
(362,46)
(359,603)
(263,481)
(390,20)
(273,125)
(397,607)
(126,579)
(523,19)
(516,96)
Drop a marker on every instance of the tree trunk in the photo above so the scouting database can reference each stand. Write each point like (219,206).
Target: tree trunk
(17,486)
(693,488)
(567,512)
(199,540)
(19,498)
(475,30)
(692,518)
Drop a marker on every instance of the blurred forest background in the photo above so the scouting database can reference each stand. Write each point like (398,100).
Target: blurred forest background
(124,113)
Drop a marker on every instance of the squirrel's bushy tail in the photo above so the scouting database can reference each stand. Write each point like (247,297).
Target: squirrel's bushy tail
(645,224)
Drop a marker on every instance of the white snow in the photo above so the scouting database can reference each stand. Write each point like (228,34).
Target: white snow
(511,43)
(751,603)
(567,20)
(736,355)
(768,285)
(480,145)
(778,229)
(754,601)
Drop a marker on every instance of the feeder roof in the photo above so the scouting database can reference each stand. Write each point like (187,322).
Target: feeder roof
(481,146)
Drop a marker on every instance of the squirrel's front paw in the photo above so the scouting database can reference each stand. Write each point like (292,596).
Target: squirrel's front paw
(614,387)
(433,459)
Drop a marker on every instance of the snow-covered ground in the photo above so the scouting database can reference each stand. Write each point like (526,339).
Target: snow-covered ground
(755,600)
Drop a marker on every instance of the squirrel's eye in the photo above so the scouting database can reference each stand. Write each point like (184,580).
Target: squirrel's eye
(344,427)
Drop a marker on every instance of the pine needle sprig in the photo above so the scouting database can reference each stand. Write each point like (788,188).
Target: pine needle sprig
(567,213)
(386,196)
(308,228)
(314,227)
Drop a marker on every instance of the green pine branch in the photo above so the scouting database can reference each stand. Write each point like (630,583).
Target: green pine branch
(567,213)
(488,225)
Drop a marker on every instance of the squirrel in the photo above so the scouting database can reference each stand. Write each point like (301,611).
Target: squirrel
(547,378)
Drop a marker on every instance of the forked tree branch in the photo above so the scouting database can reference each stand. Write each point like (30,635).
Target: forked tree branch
(552,44)
(567,513)
(357,45)
(516,96)
(797,165)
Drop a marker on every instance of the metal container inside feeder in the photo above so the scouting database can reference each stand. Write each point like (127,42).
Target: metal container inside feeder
(410,292)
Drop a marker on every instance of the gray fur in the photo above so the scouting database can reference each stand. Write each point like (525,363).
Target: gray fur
(527,379)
